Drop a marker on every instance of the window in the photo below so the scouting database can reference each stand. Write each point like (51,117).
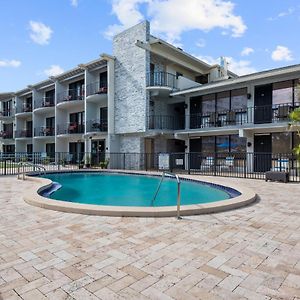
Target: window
(208,144)
(297,91)
(222,144)
(296,141)
(281,142)
(223,101)
(283,92)
(237,144)
(208,103)
(239,99)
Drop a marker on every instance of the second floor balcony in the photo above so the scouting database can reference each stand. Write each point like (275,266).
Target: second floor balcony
(4,114)
(44,131)
(24,108)
(24,133)
(96,126)
(44,102)
(70,128)
(257,115)
(70,95)
(6,134)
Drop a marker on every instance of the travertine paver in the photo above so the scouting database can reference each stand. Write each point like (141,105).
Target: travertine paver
(249,253)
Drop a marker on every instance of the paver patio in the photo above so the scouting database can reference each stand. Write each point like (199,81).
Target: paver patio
(249,253)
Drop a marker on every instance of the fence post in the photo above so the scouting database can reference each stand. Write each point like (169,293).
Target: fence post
(123,161)
(215,164)
(189,162)
(5,167)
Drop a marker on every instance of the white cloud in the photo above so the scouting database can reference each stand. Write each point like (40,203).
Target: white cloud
(74,3)
(246,51)
(282,53)
(240,67)
(201,43)
(10,63)
(282,14)
(53,70)
(40,33)
(170,18)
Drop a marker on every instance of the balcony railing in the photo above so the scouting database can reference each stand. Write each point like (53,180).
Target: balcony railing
(70,128)
(7,113)
(6,134)
(161,79)
(70,95)
(96,88)
(251,115)
(44,131)
(166,122)
(26,133)
(25,108)
(44,102)
(96,126)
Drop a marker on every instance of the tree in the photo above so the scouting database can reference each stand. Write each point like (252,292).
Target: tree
(295,124)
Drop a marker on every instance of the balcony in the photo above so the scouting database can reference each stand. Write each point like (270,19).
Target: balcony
(25,109)
(6,134)
(96,126)
(44,131)
(96,92)
(166,122)
(70,128)
(70,97)
(44,105)
(269,114)
(6,114)
(26,133)
(161,82)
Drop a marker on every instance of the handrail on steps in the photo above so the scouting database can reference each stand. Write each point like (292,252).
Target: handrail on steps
(24,164)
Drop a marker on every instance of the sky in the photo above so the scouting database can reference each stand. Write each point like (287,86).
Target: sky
(42,38)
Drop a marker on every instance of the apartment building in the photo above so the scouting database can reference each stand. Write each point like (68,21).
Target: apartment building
(152,97)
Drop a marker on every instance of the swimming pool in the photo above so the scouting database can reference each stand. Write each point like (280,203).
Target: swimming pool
(116,189)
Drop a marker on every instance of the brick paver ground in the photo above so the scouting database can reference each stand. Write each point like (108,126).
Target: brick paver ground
(249,253)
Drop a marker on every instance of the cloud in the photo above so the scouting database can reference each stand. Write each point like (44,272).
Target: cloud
(170,18)
(282,14)
(10,63)
(40,33)
(282,53)
(74,3)
(201,43)
(246,51)
(240,67)
(54,70)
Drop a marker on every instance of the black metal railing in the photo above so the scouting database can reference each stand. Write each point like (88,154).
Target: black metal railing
(96,88)
(71,95)
(70,128)
(226,164)
(165,122)
(44,131)
(6,134)
(44,102)
(26,133)
(7,113)
(161,79)
(251,115)
(96,126)
(24,108)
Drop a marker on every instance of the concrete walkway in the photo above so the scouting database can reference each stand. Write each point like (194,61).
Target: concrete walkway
(249,253)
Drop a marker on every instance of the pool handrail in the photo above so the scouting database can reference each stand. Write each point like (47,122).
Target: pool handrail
(24,164)
(169,174)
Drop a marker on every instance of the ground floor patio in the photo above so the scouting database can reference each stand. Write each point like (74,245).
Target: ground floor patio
(248,253)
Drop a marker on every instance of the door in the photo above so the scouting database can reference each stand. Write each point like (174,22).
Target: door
(149,152)
(262,153)
(28,128)
(195,112)
(50,126)
(263,104)
(29,148)
(195,153)
(77,151)
(103,118)
(50,150)
(98,151)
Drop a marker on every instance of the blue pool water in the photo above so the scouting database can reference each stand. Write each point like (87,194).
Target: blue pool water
(130,190)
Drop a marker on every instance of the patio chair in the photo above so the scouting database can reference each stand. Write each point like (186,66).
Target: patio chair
(230,118)
(283,112)
(208,163)
(281,165)
(228,163)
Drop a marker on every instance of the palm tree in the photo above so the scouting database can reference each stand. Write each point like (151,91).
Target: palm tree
(295,124)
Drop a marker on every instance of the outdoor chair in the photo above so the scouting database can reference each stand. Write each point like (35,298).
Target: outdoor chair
(230,118)
(283,112)
(228,163)
(281,165)
(208,163)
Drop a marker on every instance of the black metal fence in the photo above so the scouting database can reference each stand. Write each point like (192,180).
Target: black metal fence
(238,165)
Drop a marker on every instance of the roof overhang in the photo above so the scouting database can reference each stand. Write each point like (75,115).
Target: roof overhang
(6,96)
(280,73)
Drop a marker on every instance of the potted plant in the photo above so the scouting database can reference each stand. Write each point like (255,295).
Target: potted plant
(104,164)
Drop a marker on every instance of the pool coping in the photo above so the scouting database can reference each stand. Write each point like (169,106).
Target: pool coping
(31,196)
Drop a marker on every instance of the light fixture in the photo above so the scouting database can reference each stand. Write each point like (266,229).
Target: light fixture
(248,96)
(185,105)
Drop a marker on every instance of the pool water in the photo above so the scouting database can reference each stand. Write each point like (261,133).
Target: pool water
(130,190)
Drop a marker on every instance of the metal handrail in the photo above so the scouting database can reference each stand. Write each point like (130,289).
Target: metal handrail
(178,190)
(24,164)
